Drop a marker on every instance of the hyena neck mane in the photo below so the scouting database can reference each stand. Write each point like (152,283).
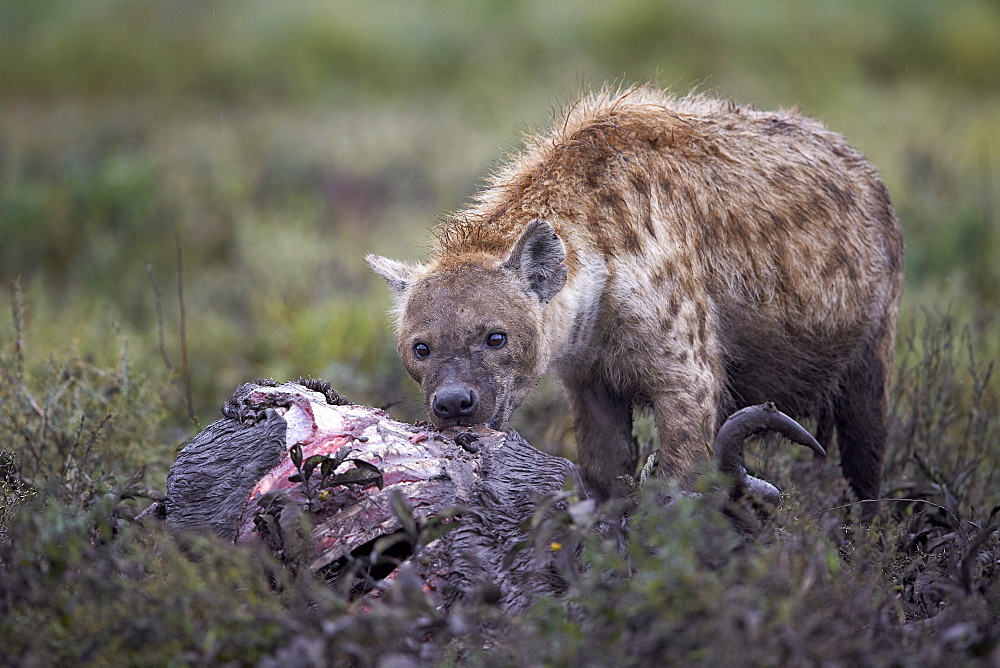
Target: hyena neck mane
(573,176)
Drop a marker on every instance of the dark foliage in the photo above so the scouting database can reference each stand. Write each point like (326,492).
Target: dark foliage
(81,580)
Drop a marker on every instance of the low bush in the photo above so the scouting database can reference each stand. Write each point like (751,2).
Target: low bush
(81,580)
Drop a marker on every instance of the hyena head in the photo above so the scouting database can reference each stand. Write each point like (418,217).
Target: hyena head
(469,327)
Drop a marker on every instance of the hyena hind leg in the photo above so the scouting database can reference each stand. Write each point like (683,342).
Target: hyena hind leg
(861,411)
(824,430)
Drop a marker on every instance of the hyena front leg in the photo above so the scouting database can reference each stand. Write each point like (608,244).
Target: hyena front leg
(686,422)
(602,421)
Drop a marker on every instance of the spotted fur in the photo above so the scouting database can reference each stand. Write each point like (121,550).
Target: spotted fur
(688,254)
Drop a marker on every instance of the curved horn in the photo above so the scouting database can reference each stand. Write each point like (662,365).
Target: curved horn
(752,421)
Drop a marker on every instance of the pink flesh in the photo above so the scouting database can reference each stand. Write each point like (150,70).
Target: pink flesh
(409,458)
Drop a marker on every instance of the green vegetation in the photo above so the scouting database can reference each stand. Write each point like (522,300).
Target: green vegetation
(252,152)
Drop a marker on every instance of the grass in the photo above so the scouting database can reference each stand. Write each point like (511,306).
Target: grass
(276,145)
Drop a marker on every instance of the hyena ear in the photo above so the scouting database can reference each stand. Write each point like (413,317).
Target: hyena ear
(398,275)
(538,258)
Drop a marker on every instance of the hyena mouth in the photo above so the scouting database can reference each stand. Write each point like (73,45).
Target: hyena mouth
(495,423)
(454,422)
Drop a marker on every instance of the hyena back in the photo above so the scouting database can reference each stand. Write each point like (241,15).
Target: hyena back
(687,254)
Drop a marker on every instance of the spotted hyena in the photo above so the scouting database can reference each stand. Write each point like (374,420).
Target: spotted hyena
(688,254)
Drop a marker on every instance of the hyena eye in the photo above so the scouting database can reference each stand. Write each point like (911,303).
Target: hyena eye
(496,339)
(421,350)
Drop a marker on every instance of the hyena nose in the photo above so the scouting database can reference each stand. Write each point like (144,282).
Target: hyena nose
(455,401)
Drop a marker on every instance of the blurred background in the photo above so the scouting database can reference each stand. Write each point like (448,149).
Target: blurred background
(262,148)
